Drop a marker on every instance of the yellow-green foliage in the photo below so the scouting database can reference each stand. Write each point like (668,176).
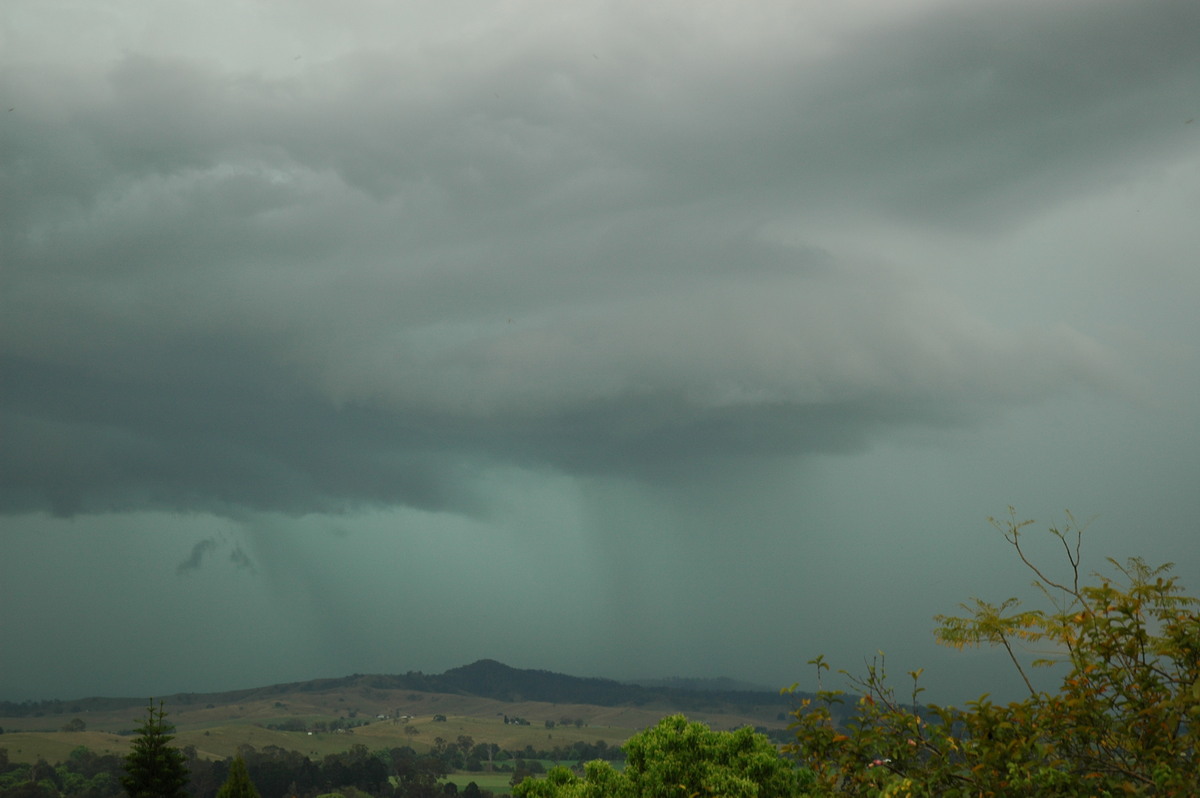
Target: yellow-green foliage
(678,759)
(1125,719)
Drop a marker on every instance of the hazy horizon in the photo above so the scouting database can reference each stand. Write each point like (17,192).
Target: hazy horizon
(706,683)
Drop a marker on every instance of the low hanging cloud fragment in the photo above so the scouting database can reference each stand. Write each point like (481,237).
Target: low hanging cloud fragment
(196,558)
(241,559)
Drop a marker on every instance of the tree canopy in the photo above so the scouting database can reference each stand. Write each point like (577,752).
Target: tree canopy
(238,783)
(678,758)
(154,768)
(1125,718)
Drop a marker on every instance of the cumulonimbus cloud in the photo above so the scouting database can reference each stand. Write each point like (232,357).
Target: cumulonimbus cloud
(350,283)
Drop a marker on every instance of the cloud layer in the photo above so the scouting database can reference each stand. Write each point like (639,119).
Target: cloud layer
(351,282)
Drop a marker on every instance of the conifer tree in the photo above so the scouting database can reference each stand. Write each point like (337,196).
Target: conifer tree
(154,768)
(238,785)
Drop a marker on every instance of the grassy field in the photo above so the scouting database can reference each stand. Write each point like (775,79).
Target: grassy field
(217,730)
(56,746)
(217,741)
(496,782)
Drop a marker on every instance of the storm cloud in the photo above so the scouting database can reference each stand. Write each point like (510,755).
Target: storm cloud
(361,261)
(334,287)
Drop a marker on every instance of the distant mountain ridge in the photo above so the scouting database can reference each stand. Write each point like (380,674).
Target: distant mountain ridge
(485,678)
(721,684)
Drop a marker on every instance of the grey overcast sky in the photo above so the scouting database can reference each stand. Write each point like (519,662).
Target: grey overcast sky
(620,339)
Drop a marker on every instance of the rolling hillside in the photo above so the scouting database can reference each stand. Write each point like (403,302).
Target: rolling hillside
(389,710)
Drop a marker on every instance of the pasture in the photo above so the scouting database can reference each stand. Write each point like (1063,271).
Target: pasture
(217,734)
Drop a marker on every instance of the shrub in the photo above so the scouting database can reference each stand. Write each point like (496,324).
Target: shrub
(1124,719)
(675,759)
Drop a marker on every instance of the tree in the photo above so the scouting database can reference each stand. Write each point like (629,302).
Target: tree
(238,784)
(154,768)
(520,773)
(675,759)
(1124,720)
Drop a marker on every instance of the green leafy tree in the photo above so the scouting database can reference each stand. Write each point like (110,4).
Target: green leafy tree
(238,784)
(154,768)
(678,759)
(1124,720)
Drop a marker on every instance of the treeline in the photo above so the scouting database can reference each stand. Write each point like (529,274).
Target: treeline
(40,709)
(391,773)
(85,774)
(398,772)
(477,756)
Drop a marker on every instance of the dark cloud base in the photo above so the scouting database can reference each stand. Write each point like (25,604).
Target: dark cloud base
(79,442)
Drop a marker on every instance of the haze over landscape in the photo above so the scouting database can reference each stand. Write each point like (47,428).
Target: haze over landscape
(615,339)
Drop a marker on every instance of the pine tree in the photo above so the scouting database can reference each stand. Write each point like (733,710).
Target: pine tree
(154,768)
(238,785)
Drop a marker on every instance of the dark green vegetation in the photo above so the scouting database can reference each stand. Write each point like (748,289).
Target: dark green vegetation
(273,773)
(154,768)
(237,783)
(1122,721)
